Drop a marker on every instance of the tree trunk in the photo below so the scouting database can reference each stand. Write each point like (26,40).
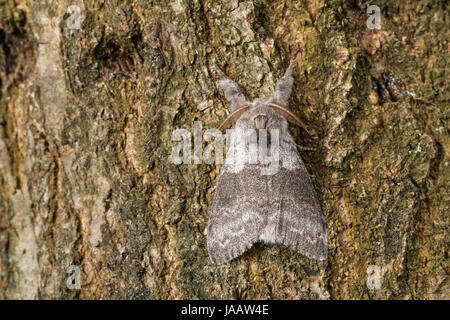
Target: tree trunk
(86,117)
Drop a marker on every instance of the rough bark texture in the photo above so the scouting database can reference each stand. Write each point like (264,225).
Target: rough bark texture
(85,136)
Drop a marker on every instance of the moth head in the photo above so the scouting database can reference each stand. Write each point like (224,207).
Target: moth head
(259,114)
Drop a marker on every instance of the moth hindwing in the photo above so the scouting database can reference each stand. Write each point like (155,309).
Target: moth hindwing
(264,193)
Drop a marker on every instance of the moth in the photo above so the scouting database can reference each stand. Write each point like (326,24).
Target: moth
(248,206)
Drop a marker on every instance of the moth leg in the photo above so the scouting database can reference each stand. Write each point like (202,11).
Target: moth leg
(306,148)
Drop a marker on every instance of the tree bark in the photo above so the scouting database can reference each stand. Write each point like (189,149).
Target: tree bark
(86,117)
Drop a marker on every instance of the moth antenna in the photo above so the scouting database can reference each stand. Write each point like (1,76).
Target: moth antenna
(283,88)
(234,115)
(291,117)
(230,89)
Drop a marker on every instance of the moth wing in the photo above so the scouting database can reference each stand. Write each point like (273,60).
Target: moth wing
(236,218)
(295,217)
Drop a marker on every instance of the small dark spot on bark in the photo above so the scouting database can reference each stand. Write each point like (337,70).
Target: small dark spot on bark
(259,29)
(389,88)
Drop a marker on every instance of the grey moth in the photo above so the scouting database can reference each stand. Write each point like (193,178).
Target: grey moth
(250,205)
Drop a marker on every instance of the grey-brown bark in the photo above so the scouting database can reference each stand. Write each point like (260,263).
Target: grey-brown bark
(85,136)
